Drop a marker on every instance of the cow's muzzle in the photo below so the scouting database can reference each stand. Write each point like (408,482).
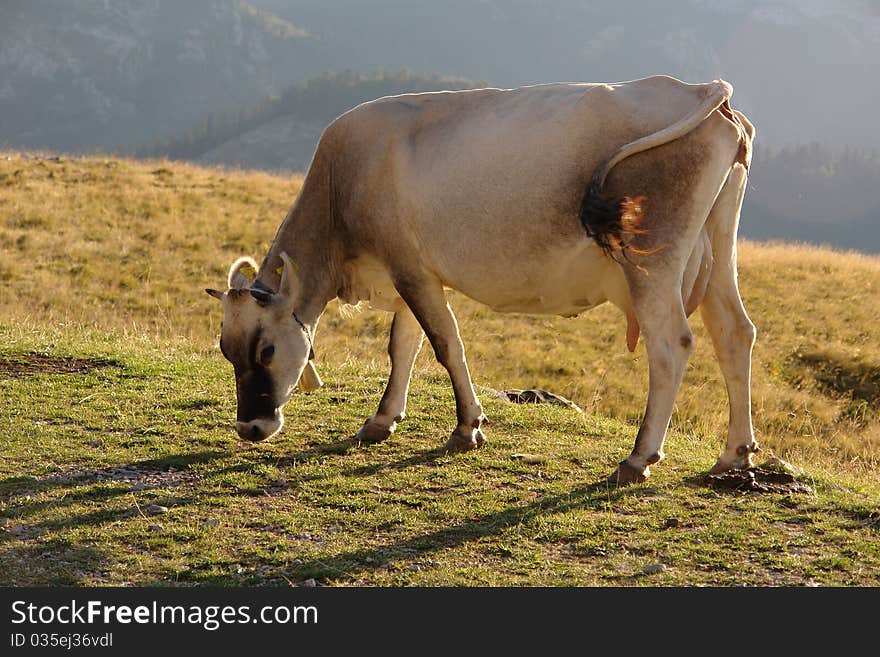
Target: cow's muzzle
(259,428)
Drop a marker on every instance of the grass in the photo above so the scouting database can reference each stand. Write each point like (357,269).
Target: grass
(104,261)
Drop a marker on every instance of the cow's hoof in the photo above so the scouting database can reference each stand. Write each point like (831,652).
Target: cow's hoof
(465,441)
(721,465)
(625,474)
(372,432)
(740,459)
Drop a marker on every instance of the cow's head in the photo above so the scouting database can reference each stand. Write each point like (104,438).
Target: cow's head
(270,350)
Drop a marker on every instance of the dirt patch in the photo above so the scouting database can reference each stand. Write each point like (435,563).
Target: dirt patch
(137,476)
(757,480)
(17,365)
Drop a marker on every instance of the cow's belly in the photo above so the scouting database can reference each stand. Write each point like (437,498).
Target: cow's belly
(565,281)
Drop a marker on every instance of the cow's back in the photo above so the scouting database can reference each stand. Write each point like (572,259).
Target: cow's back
(473,181)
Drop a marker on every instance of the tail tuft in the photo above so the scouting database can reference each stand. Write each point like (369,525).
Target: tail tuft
(612,222)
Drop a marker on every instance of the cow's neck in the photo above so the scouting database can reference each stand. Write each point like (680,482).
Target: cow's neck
(308,237)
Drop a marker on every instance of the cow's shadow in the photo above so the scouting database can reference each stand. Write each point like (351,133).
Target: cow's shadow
(156,477)
(14,487)
(339,447)
(345,564)
(349,564)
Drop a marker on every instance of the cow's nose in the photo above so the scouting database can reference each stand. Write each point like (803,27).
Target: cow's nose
(257,430)
(249,431)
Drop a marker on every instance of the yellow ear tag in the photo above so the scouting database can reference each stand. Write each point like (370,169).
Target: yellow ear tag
(280,270)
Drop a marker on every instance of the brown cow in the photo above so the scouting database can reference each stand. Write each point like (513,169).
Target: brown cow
(543,199)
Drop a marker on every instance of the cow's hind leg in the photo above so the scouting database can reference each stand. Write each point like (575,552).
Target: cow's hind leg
(681,182)
(403,347)
(727,322)
(669,342)
(428,303)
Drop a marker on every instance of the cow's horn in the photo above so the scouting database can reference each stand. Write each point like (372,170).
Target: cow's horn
(263,296)
(287,276)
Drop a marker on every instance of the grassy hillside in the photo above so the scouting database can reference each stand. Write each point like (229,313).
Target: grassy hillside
(116,398)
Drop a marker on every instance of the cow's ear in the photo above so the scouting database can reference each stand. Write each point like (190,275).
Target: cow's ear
(217,294)
(288,277)
(241,273)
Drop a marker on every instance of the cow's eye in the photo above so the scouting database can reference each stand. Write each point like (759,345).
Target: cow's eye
(266,354)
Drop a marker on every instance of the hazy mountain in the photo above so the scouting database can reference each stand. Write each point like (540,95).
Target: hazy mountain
(282,133)
(802,69)
(100,74)
(811,193)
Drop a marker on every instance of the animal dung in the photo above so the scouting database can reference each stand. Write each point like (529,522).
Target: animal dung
(757,480)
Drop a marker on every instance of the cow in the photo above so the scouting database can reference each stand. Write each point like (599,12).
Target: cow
(544,199)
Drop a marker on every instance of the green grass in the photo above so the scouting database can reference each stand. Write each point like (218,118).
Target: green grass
(105,260)
(85,455)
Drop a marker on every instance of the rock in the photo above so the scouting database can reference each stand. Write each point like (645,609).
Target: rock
(97,442)
(776,464)
(155,509)
(16,530)
(310,583)
(654,569)
(533,396)
(155,528)
(211,522)
(671,523)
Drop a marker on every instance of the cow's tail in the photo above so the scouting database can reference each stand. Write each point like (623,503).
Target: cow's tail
(612,222)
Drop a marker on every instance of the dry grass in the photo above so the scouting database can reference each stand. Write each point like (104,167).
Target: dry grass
(120,244)
(129,246)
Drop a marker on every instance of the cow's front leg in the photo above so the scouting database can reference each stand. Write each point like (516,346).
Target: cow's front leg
(403,347)
(428,303)
(669,343)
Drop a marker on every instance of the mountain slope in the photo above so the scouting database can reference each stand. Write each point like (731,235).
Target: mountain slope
(282,133)
(802,69)
(98,75)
